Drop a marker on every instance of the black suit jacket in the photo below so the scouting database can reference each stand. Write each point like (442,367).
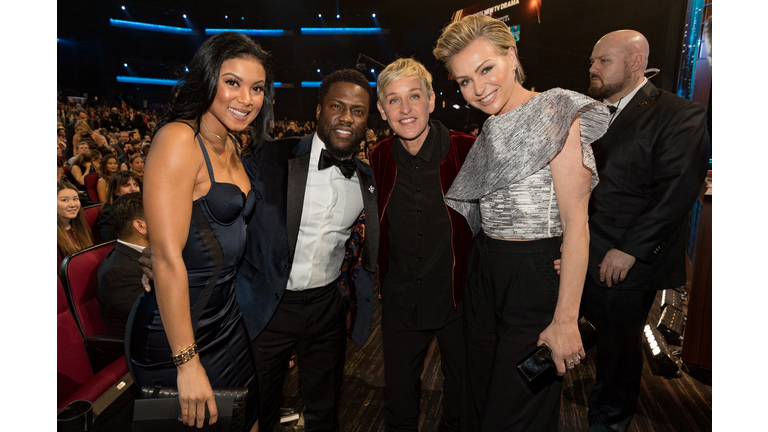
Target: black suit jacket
(278,172)
(119,279)
(652,162)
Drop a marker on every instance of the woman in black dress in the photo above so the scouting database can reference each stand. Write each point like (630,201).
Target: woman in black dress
(188,331)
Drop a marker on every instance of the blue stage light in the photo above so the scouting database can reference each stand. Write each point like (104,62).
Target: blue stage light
(318,71)
(185,16)
(226,16)
(343,30)
(317,83)
(151,27)
(374,15)
(251,32)
(123,7)
(125,64)
(319,15)
(372,71)
(140,80)
(242,18)
(338,16)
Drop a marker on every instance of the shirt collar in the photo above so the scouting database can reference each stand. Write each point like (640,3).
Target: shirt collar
(425,152)
(131,245)
(623,102)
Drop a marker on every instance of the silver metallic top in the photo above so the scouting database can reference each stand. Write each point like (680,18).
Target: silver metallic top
(505,184)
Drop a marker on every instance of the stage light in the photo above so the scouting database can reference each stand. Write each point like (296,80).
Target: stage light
(151,27)
(672,318)
(372,71)
(252,32)
(140,80)
(125,64)
(343,30)
(318,71)
(456,106)
(374,15)
(242,18)
(185,16)
(186,69)
(660,361)
(319,15)
(338,16)
(226,16)
(123,7)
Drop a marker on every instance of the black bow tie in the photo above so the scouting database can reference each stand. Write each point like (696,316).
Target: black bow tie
(347,166)
(612,109)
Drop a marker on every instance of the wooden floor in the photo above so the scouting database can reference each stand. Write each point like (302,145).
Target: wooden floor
(679,404)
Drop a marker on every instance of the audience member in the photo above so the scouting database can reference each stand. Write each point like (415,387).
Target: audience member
(70,131)
(72,231)
(119,274)
(109,167)
(137,165)
(84,164)
(473,129)
(121,182)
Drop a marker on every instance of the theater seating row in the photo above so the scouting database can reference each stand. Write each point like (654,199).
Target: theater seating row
(90,365)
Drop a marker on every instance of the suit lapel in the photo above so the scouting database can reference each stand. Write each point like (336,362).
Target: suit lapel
(298,170)
(368,190)
(644,98)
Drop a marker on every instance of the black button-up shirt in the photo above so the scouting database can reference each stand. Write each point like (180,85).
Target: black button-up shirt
(419,277)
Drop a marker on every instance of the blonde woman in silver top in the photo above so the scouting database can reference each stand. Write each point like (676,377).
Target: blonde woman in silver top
(524,189)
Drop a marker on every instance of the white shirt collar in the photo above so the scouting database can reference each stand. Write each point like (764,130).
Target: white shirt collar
(131,245)
(623,102)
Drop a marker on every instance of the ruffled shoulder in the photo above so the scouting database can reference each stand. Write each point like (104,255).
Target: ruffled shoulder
(521,142)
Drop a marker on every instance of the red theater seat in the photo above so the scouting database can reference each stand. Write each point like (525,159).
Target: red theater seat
(90,185)
(75,378)
(79,276)
(92,214)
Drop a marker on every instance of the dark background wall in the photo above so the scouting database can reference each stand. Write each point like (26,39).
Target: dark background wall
(554,52)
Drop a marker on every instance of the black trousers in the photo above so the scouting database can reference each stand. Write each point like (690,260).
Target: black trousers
(314,323)
(404,353)
(619,316)
(510,299)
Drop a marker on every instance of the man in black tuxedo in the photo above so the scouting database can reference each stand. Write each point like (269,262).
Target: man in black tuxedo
(652,162)
(119,274)
(310,191)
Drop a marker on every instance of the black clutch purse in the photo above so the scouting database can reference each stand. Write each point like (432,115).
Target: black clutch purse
(538,369)
(158,409)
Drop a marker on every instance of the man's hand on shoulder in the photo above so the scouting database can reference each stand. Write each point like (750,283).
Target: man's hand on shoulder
(146,267)
(615,267)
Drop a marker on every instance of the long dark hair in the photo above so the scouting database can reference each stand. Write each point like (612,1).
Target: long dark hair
(195,92)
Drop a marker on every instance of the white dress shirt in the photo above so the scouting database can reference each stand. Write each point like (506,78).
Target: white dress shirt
(332,204)
(131,245)
(623,102)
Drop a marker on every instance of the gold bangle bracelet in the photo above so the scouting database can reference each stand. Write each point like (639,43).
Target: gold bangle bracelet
(185,355)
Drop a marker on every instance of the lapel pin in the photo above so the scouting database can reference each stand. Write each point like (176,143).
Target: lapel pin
(371,189)
(643,103)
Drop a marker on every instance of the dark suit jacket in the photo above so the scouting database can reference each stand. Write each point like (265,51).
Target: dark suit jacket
(652,162)
(119,279)
(278,173)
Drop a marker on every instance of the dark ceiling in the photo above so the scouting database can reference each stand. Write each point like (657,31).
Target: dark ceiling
(554,51)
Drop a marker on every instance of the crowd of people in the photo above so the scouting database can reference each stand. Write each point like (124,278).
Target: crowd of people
(263,237)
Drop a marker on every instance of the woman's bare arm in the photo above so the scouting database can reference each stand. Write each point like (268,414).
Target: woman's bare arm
(572,182)
(169,183)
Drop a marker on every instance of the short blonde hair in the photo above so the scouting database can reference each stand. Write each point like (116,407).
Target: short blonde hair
(459,35)
(403,68)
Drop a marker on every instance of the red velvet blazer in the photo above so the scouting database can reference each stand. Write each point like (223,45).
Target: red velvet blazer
(385,173)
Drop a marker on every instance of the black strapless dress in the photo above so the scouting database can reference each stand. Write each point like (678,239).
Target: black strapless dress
(215,244)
